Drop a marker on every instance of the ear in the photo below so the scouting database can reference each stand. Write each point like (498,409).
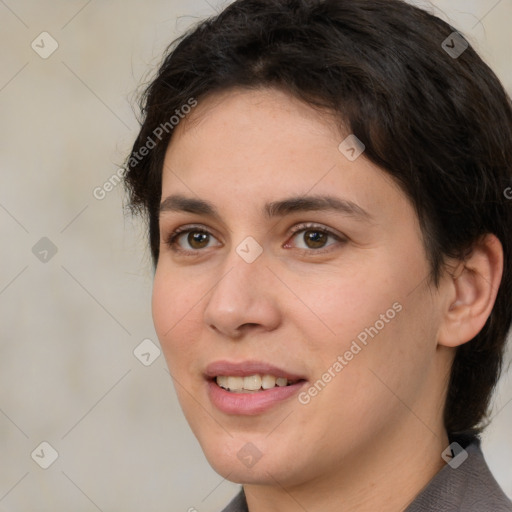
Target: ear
(471,292)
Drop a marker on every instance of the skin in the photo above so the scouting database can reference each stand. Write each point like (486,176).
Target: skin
(373,437)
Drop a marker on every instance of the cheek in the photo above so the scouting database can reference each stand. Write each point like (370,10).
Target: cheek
(369,316)
(341,306)
(173,315)
(385,345)
(163,304)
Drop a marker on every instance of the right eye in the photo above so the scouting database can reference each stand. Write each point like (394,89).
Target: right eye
(190,239)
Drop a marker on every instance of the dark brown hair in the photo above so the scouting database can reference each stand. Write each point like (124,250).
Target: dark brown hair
(439,124)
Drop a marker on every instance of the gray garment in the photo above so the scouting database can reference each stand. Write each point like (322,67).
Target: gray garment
(469,488)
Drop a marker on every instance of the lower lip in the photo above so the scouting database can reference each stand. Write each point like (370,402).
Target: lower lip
(250,403)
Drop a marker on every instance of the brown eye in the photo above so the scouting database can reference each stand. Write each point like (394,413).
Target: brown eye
(315,239)
(198,239)
(191,240)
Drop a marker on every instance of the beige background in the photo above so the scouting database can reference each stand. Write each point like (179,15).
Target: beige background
(69,326)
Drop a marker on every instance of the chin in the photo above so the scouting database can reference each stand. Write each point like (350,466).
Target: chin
(244,477)
(243,463)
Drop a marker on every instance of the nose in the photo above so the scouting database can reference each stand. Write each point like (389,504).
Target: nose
(243,299)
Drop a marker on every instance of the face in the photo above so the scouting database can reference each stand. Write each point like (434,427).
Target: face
(283,258)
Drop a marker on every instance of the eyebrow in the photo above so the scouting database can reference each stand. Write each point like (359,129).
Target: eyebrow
(179,203)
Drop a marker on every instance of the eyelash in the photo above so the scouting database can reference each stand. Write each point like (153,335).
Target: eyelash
(171,240)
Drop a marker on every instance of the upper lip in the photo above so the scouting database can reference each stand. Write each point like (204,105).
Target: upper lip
(247,368)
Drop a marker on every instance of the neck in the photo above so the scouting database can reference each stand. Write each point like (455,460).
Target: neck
(386,476)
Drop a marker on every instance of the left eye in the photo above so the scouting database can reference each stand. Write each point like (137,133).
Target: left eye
(314,238)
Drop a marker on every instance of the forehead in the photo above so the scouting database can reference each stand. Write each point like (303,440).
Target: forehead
(245,145)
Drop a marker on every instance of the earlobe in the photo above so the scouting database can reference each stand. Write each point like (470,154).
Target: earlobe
(472,290)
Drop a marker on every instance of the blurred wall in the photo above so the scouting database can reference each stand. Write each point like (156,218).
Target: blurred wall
(75,275)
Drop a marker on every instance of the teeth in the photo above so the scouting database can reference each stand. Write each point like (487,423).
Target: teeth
(251,382)
(235,383)
(222,381)
(268,381)
(281,381)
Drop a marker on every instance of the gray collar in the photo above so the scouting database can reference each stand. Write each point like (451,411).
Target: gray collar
(469,487)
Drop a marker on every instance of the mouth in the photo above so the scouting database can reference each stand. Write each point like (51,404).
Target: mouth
(252,383)
(250,387)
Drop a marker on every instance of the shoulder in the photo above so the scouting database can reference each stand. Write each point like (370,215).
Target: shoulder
(465,485)
(238,504)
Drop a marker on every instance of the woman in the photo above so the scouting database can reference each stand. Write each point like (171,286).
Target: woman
(324,184)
